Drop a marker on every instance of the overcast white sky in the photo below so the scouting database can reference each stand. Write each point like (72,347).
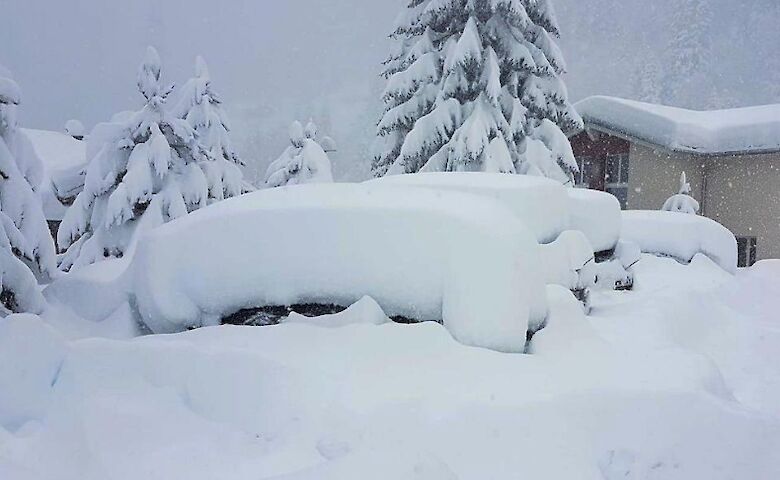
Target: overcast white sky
(274,60)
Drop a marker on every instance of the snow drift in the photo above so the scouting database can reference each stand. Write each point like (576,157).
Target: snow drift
(474,267)
(680,236)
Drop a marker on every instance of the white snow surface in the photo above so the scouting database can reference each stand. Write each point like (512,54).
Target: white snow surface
(475,267)
(680,236)
(597,215)
(676,380)
(539,202)
(365,311)
(64,168)
(749,129)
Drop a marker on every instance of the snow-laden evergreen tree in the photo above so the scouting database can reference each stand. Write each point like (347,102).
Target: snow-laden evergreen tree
(683,202)
(686,83)
(145,169)
(304,161)
(475,86)
(26,246)
(648,81)
(202,108)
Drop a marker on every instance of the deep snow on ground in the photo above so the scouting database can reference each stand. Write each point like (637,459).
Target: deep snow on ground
(679,379)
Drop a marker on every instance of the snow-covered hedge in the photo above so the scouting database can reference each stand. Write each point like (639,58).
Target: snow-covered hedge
(539,202)
(597,215)
(419,253)
(680,236)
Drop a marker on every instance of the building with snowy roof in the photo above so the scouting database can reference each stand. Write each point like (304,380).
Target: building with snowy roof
(637,151)
(64,162)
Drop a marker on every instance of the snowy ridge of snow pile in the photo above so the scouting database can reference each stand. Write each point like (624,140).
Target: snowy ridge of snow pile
(539,202)
(32,353)
(749,129)
(566,329)
(597,215)
(680,236)
(569,261)
(474,267)
(365,311)
(64,168)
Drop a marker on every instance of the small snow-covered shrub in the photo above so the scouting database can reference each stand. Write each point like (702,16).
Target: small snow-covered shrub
(304,161)
(597,215)
(680,236)
(474,267)
(539,202)
(683,202)
(26,247)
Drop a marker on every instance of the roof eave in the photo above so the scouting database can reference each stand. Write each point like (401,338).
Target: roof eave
(591,124)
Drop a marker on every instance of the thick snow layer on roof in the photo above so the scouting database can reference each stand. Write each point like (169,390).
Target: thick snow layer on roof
(420,253)
(64,160)
(750,129)
(681,236)
(539,202)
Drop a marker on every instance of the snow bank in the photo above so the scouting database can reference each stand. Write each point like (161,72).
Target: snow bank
(597,215)
(569,261)
(386,402)
(750,129)
(567,330)
(64,165)
(365,311)
(32,353)
(474,266)
(94,291)
(680,236)
(539,202)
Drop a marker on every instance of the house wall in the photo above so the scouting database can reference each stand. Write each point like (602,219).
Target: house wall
(654,176)
(743,194)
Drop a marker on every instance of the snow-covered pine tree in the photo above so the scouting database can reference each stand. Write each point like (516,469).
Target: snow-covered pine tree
(683,202)
(144,170)
(26,246)
(647,81)
(202,108)
(685,81)
(475,85)
(304,161)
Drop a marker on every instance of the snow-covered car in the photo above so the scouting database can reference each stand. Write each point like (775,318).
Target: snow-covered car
(539,202)
(551,211)
(680,236)
(423,254)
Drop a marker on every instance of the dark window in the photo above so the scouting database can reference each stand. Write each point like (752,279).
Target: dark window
(613,169)
(624,169)
(746,251)
(585,164)
(617,177)
(621,193)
